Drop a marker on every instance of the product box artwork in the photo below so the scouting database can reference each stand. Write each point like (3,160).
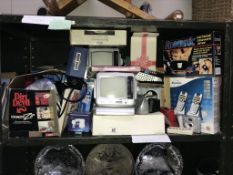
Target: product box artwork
(32,113)
(79,122)
(196,96)
(195,55)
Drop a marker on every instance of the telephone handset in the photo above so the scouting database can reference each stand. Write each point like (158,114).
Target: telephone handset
(180,106)
(195,106)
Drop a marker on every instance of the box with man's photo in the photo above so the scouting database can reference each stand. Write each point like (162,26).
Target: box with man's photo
(197,55)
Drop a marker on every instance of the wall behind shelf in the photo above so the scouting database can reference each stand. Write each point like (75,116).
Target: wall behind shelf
(160,9)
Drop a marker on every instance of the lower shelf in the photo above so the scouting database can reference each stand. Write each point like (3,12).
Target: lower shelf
(78,139)
(192,152)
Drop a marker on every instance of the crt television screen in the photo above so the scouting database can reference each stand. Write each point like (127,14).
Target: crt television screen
(102,58)
(113,87)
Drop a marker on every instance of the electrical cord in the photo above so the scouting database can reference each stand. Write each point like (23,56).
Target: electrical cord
(72,101)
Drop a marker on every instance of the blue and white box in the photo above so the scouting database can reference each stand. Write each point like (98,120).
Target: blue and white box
(85,105)
(77,63)
(208,88)
(79,122)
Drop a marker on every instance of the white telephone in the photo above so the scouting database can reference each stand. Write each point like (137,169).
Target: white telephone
(195,106)
(180,106)
(179,110)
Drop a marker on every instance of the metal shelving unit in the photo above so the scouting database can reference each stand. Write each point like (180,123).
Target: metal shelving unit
(32,37)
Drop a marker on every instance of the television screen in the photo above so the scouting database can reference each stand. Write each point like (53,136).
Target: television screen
(102,58)
(113,87)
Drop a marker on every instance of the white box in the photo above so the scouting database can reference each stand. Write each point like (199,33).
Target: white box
(129,125)
(98,37)
(114,111)
(143,50)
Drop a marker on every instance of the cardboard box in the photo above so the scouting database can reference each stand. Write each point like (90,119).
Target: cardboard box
(153,123)
(77,62)
(143,50)
(6,77)
(86,104)
(31,113)
(208,88)
(79,122)
(194,55)
(98,37)
(73,95)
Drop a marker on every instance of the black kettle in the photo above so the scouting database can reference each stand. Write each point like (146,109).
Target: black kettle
(147,103)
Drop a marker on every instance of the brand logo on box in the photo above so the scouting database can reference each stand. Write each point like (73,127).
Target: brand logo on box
(21,102)
(27,116)
(176,82)
(77,61)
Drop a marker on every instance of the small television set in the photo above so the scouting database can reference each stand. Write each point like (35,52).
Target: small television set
(104,57)
(115,89)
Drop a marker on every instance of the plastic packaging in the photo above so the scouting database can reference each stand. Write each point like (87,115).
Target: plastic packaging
(109,159)
(59,160)
(45,84)
(157,159)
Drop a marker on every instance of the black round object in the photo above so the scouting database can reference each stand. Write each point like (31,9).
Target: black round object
(42,11)
(159,159)
(59,160)
(109,159)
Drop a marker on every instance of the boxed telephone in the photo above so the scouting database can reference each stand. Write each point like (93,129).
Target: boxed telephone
(195,101)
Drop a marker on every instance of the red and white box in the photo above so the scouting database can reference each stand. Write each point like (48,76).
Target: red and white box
(143,50)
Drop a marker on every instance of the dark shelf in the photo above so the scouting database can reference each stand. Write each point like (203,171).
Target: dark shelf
(146,24)
(134,24)
(196,138)
(65,140)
